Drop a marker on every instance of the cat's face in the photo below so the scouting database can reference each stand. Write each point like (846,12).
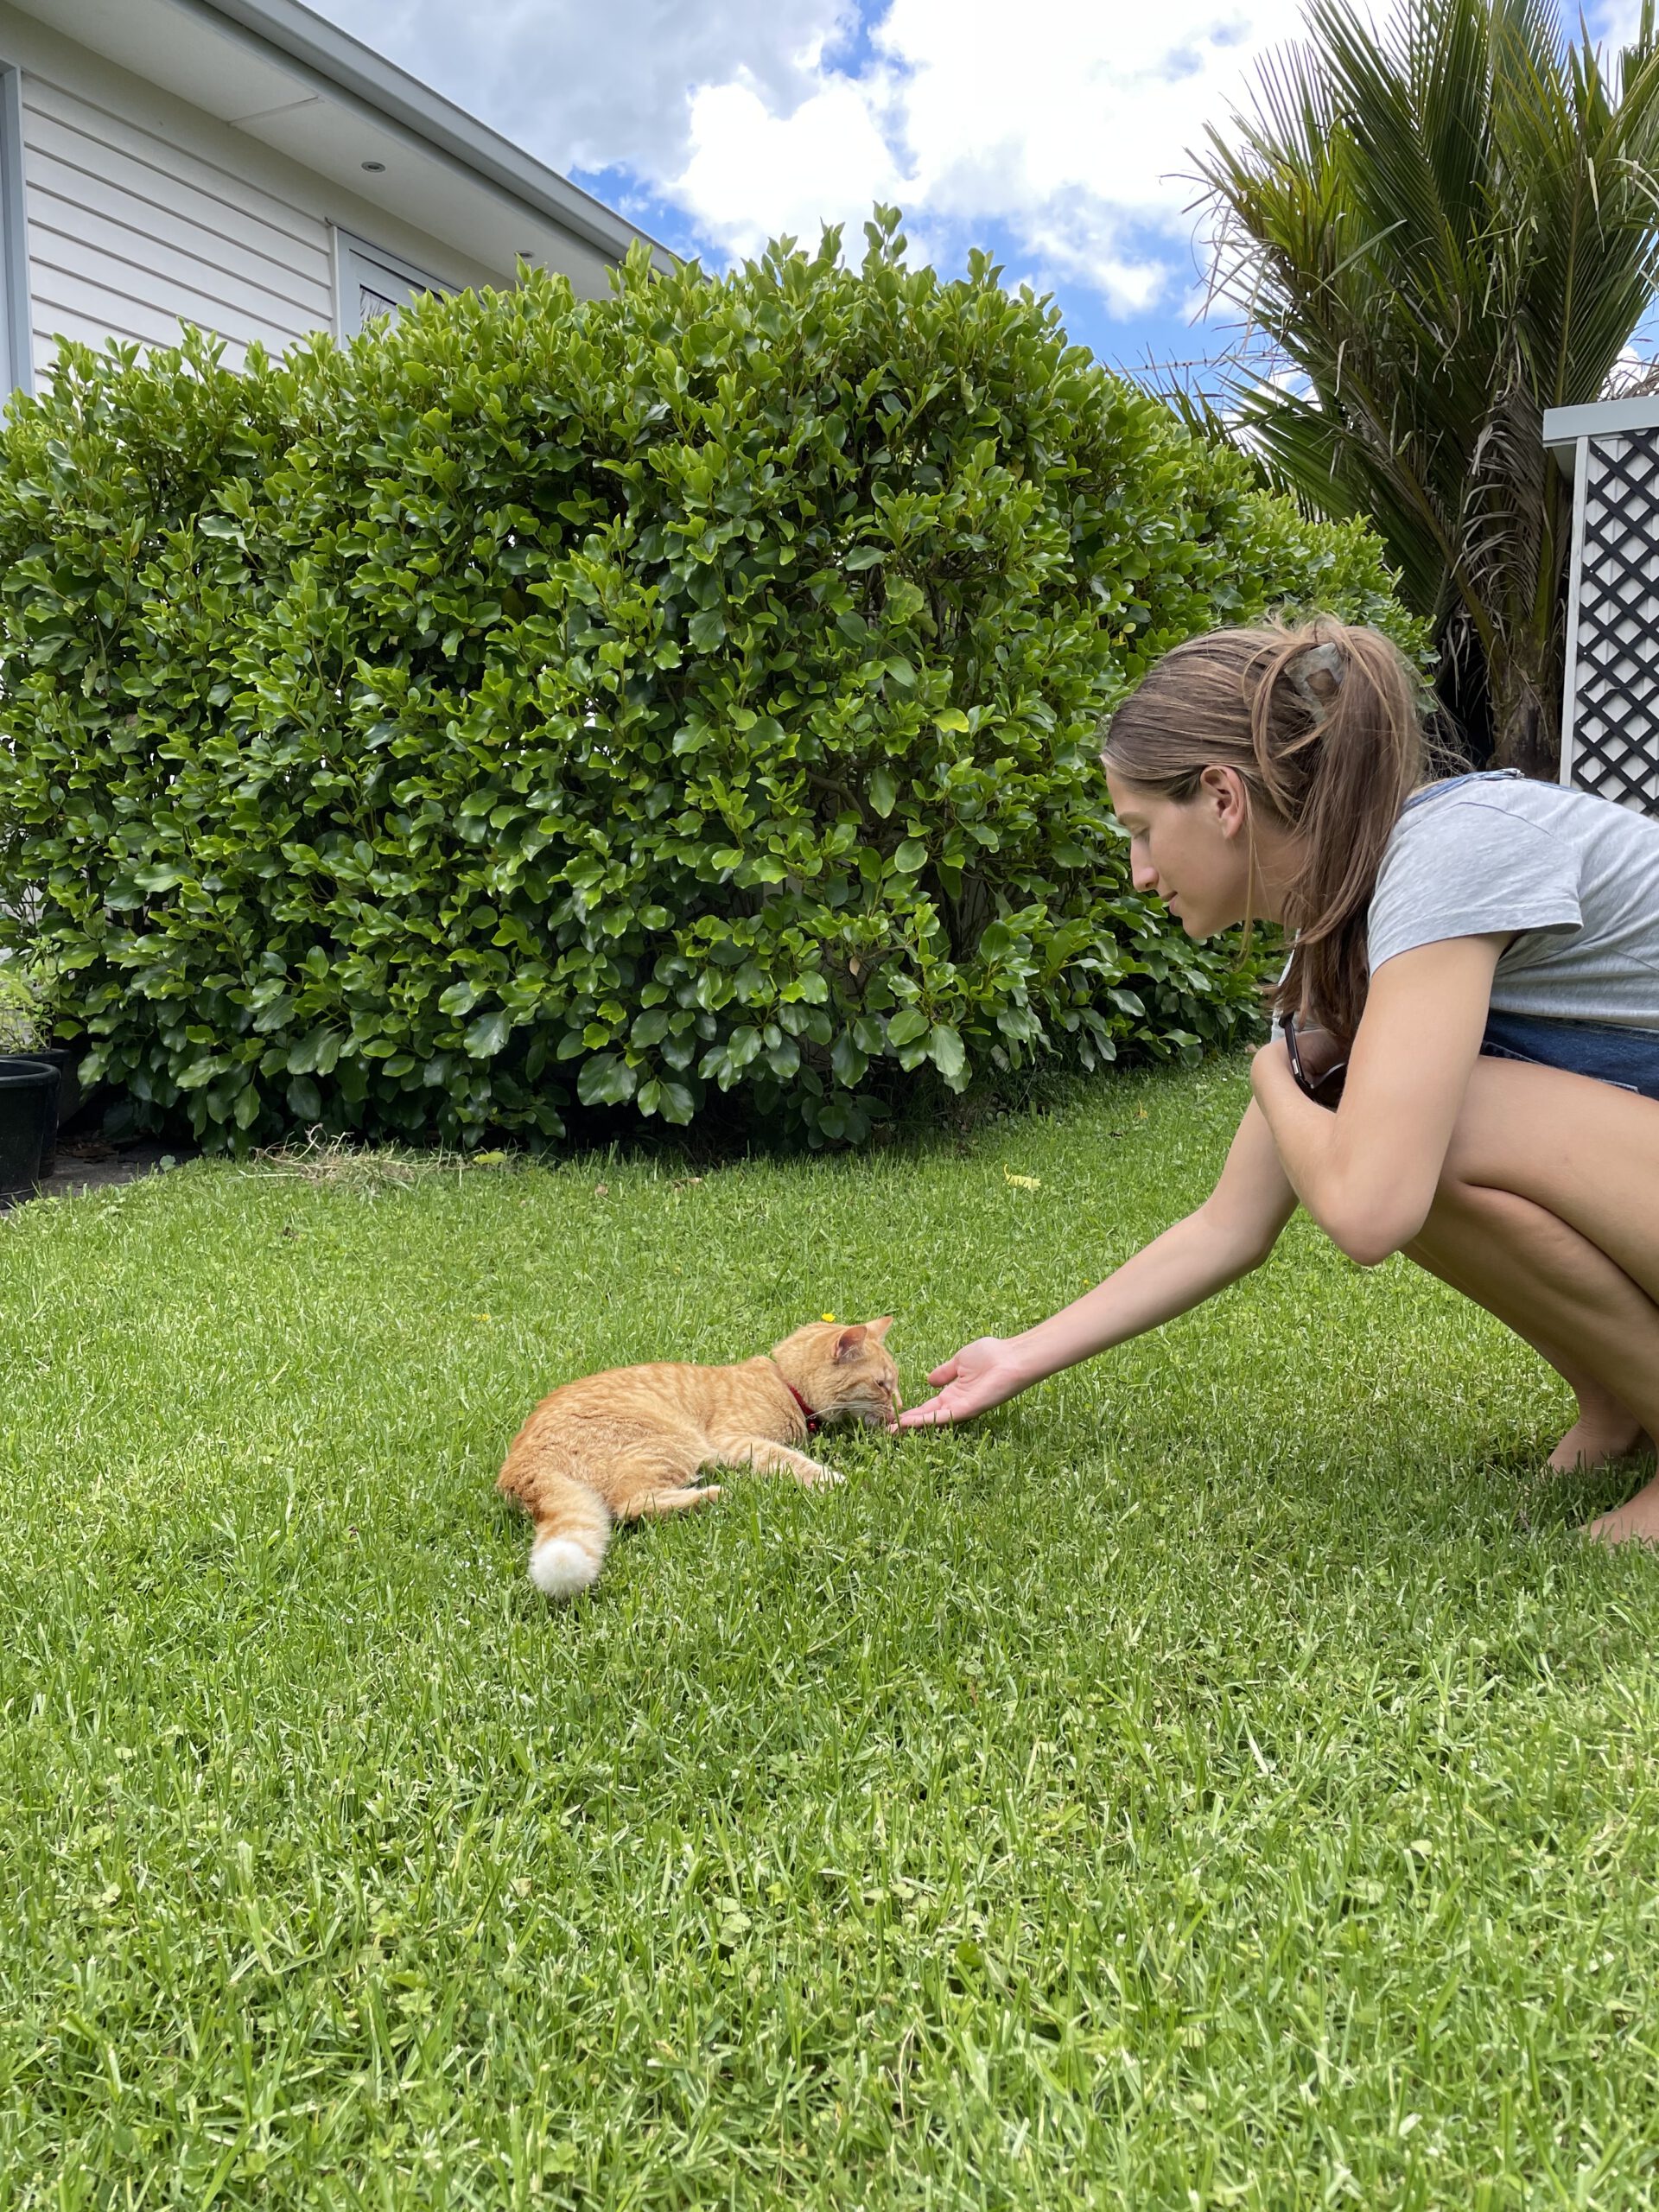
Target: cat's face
(844,1370)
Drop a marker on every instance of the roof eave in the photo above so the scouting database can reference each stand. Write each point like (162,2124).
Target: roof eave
(355,69)
(1599,418)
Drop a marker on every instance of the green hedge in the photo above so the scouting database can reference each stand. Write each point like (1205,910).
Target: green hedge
(690,692)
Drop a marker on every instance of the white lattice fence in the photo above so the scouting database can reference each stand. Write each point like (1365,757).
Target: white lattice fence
(1610,719)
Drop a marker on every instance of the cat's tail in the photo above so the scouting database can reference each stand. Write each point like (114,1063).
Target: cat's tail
(572,1526)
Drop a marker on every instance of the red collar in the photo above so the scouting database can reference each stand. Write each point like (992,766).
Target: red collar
(813,1421)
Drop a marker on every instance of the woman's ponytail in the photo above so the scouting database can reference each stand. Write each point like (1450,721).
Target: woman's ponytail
(1322,723)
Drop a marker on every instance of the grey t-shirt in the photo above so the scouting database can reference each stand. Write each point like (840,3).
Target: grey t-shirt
(1576,878)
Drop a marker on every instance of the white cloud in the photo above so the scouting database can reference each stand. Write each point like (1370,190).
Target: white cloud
(827,161)
(1065,122)
(1616,21)
(1062,126)
(1060,122)
(597,88)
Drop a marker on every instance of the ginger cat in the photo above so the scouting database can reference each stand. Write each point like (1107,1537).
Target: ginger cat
(624,1444)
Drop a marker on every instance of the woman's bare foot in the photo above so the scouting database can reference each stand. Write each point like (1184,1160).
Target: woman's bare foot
(1604,1432)
(1637,1522)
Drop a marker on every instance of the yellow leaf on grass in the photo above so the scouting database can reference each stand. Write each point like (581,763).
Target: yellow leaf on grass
(1022,1182)
(826,1317)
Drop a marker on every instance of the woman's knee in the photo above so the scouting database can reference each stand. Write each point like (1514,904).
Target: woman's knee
(1483,1135)
(1478,1226)
(1461,1204)
(1515,1118)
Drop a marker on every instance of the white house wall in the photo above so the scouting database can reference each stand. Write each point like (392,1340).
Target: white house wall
(143,211)
(129,234)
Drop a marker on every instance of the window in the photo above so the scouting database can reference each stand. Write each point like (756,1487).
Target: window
(17,341)
(373,281)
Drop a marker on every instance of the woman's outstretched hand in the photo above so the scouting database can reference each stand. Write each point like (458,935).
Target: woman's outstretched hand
(983,1374)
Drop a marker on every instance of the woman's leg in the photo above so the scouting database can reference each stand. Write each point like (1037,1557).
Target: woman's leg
(1549,1214)
(1505,1255)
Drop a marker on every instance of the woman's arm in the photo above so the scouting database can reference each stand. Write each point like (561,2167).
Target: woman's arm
(1232,1232)
(1367,1172)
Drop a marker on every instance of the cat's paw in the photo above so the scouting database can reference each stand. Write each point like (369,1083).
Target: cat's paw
(823,1478)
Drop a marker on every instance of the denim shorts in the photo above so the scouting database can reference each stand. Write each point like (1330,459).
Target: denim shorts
(1606,1050)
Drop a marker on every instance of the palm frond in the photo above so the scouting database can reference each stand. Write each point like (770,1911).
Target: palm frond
(1446,226)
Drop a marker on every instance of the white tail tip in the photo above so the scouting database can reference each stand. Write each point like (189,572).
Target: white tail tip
(561,1566)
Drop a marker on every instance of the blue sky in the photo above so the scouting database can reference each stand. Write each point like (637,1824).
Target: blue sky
(1056,133)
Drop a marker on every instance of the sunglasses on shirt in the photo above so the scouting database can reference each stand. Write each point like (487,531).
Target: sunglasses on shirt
(1323,1089)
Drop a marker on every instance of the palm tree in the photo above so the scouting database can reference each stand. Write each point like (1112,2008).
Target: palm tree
(1442,229)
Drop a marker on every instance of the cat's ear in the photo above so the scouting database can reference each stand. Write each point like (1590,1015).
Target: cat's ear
(879,1329)
(850,1343)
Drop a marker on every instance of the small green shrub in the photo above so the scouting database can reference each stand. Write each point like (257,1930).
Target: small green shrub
(25,1016)
(690,692)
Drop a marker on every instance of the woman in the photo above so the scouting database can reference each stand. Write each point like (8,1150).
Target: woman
(1475,975)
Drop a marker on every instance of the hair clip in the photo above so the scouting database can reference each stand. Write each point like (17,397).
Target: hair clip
(1316,676)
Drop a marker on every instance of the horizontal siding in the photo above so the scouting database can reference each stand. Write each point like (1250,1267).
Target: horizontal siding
(129,234)
(260,291)
(91,288)
(191,242)
(133,148)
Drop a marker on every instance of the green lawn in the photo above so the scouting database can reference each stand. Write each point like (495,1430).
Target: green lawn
(1220,1778)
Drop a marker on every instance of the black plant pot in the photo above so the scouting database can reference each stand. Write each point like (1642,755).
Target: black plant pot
(29,1122)
(66,1060)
